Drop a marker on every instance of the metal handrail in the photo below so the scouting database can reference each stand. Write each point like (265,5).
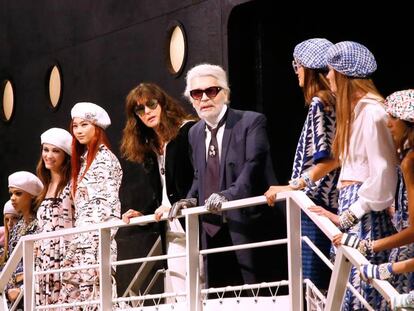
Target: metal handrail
(294,199)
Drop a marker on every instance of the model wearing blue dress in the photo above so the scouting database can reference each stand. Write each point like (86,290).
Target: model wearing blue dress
(314,145)
(403,283)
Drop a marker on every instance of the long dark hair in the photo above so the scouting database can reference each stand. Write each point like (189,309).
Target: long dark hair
(138,140)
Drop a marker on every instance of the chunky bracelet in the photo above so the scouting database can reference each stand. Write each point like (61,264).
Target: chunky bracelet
(385,271)
(365,247)
(347,220)
(308,181)
(296,183)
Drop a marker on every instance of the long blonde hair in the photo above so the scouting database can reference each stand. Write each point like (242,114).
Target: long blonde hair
(349,92)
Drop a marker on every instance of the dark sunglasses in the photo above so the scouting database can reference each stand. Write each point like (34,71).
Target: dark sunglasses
(139,109)
(210,92)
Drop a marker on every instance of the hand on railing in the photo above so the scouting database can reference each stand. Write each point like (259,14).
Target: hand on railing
(380,272)
(179,205)
(403,301)
(324,212)
(160,211)
(365,247)
(130,214)
(214,202)
(271,193)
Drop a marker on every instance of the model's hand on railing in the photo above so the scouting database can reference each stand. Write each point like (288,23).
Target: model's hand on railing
(130,214)
(179,205)
(365,247)
(379,272)
(271,193)
(324,212)
(159,212)
(214,202)
(403,301)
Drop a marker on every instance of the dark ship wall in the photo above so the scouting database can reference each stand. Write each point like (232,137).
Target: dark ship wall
(105,48)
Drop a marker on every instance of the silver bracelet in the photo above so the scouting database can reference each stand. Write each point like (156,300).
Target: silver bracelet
(308,181)
(295,184)
(347,220)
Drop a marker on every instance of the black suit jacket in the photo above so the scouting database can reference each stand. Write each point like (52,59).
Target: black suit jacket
(178,172)
(246,168)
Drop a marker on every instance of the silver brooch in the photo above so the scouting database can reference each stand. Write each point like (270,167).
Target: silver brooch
(211,151)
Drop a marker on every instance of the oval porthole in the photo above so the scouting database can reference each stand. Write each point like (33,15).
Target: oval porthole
(177,48)
(55,86)
(7,100)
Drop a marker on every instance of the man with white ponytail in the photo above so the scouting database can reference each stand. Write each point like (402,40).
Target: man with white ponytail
(231,158)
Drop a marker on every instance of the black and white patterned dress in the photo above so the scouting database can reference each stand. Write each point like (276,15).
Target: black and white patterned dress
(96,200)
(53,214)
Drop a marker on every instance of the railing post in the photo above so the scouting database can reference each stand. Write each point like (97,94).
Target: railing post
(193,263)
(105,281)
(339,279)
(294,254)
(28,261)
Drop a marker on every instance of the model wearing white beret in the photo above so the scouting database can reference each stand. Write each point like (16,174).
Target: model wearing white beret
(9,209)
(91,112)
(26,181)
(58,137)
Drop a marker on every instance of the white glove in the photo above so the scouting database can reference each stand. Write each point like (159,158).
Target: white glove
(403,301)
(363,246)
(380,272)
(214,202)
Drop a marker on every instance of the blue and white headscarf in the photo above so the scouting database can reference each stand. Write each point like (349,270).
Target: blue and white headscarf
(352,59)
(311,53)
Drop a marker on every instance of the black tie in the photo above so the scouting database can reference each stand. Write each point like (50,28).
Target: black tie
(212,222)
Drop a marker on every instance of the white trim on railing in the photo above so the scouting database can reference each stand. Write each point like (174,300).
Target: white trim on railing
(295,202)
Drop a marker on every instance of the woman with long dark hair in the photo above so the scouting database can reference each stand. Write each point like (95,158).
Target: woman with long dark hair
(156,135)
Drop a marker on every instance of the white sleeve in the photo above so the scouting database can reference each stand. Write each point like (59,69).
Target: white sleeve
(378,190)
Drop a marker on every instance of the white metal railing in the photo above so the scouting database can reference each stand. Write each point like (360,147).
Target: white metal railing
(295,202)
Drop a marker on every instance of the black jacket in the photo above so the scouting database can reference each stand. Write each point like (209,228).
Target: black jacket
(178,172)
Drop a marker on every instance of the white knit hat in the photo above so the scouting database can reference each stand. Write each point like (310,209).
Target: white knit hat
(9,209)
(26,181)
(58,137)
(92,113)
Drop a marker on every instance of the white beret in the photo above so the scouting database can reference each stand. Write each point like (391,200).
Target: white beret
(58,137)
(91,112)
(9,209)
(26,181)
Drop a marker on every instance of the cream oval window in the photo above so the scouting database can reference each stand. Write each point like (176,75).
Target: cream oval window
(177,48)
(55,86)
(7,100)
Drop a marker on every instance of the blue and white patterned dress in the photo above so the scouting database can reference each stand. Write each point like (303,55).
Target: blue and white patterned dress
(403,283)
(313,146)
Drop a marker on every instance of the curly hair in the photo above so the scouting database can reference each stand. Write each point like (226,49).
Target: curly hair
(138,140)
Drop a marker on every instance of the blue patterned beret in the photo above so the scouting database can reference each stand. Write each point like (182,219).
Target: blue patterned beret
(401,105)
(311,53)
(352,59)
